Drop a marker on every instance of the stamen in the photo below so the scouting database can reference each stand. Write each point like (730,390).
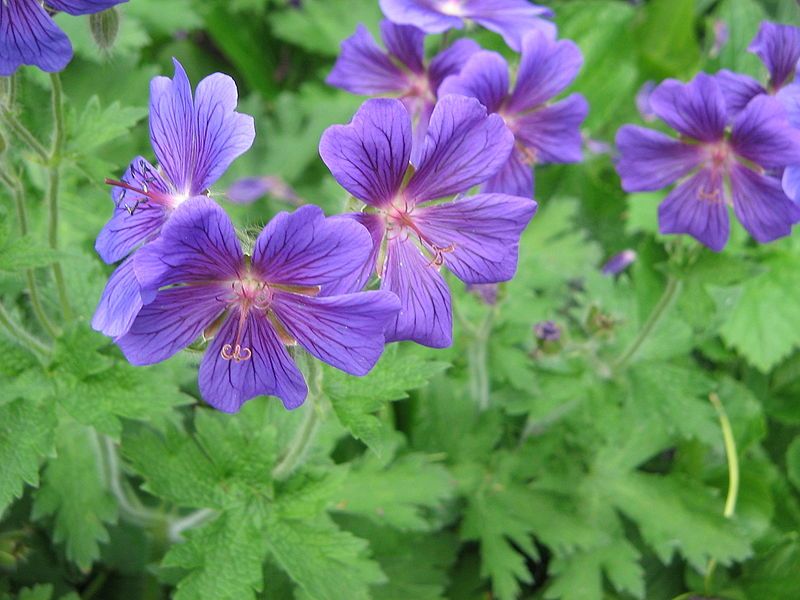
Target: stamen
(438,254)
(236,351)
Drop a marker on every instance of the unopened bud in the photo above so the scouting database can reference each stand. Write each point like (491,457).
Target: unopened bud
(548,337)
(105,27)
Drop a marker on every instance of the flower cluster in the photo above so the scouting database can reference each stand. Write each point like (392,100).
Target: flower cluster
(738,144)
(185,279)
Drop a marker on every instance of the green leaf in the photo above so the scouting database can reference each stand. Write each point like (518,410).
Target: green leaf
(775,572)
(397,495)
(742,18)
(667,40)
(326,562)
(223,557)
(355,399)
(37,592)
(26,437)
(74,492)
(763,319)
(793,462)
(97,125)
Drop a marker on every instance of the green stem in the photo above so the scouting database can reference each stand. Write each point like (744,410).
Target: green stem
(673,285)
(478,363)
(53,179)
(8,118)
(21,335)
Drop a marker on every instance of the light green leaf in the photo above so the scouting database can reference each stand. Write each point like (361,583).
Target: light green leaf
(793,462)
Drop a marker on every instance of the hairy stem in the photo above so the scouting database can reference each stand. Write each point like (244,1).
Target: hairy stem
(670,291)
(478,358)
(9,119)
(53,179)
(21,335)
(190,521)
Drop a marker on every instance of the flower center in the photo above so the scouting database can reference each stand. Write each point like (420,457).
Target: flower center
(451,7)
(719,155)
(148,189)
(399,221)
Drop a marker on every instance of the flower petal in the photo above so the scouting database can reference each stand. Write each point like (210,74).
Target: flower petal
(789,96)
(450,61)
(343,331)
(515,178)
(791,182)
(762,133)
(778,47)
(364,68)
(198,244)
(83,7)
(304,248)
(512,19)
(425,315)
(697,207)
(761,206)
(369,157)
(121,301)
(173,320)
(228,384)
(554,132)
(359,279)
(464,147)
(546,68)
(695,109)
(483,232)
(28,36)
(485,77)
(406,43)
(650,160)
(738,90)
(420,13)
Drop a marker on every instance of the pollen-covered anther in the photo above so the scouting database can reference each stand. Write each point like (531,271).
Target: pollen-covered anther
(438,254)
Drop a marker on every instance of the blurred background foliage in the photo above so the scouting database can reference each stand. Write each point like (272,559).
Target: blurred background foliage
(587,477)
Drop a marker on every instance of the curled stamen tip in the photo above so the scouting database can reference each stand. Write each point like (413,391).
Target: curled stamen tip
(238,354)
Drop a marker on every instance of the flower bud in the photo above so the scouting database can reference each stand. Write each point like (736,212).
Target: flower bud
(105,27)
(619,262)
(548,336)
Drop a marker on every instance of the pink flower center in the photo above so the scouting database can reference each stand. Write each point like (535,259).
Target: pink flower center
(399,221)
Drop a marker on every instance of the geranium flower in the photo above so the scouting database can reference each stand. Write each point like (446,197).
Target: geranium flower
(477,237)
(510,18)
(401,70)
(195,140)
(29,36)
(544,132)
(723,166)
(253,306)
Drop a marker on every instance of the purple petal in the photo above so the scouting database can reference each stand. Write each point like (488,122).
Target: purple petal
(82,7)
(343,331)
(485,77)
(250,189)
(198,244)
(424,14)
(695,109)
(304,248)
(359,279)
(228,384)
(650,160)
(761,206)
(513,19)
(121,301)
(420,110)
(483,232)
(515,178)
(406,43)
(762,133)
(364,68)
(450,61)
(369,157)
(546,68)
(28,36)
(697,207)
(778,47)
(791,182)
(738,90)
(197,140)
(425,315)
(553,132)
(643,101)
(464,147)
(789,97)
(173,320)
(619,262)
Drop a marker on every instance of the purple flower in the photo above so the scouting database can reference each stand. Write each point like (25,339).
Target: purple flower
(487,292)
(547,331)
(364,68)
(250,189)
(195,140)
(510,18)
(716,166)
(253,306)
(619,262)
(477,237)
(545,132)
(643,101)
(29,36)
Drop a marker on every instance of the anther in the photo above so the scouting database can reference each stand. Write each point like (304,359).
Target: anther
(237,353)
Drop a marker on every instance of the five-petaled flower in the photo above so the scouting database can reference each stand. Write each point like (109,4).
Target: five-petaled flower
(510,18)
(401,71)
(477,237)
(724,165)
(253,306)
(544,133)
(29,36)
(195,140)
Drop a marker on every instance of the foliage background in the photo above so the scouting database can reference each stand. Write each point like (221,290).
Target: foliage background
(581,472)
